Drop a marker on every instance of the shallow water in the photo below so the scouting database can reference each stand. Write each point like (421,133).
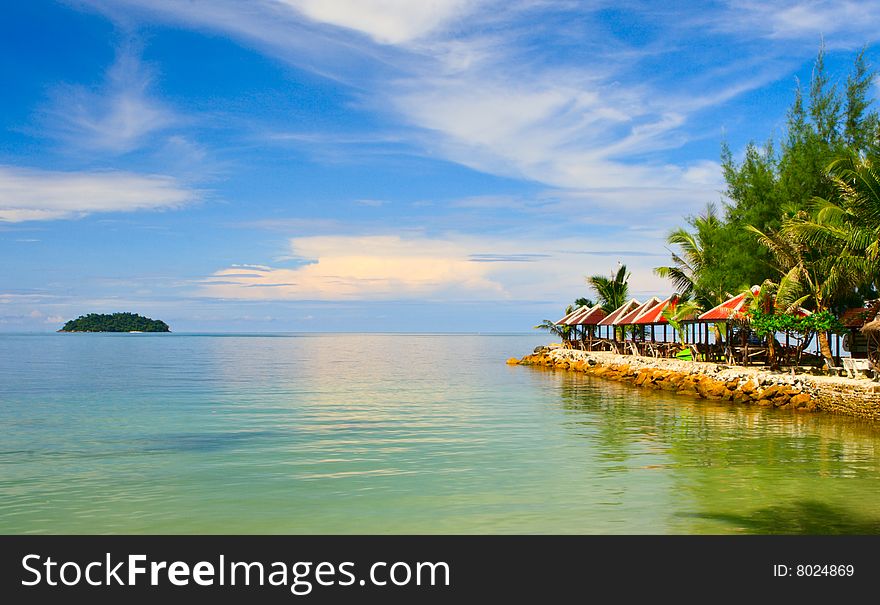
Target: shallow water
(176,433)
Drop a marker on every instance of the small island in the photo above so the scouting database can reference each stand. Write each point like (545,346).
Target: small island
(116,322)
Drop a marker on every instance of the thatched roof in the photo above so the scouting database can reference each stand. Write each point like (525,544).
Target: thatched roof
(872,326)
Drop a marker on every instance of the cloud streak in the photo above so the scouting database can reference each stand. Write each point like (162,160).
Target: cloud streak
(565,105)
(117,117)
(358,268)
(35,195)
(385,21)
(450,267)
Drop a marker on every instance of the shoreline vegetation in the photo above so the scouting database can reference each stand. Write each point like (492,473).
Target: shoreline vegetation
(115,322)
(790,264)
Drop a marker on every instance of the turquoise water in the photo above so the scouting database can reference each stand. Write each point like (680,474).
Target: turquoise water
(180,433)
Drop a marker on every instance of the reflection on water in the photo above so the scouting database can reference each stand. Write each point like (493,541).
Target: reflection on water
(397,434)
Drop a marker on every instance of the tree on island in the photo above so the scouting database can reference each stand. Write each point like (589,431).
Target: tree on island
(117,322)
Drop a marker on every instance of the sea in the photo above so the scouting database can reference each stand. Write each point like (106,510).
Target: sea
(397,434)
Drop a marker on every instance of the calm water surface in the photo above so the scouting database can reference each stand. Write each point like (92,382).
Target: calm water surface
(397,434)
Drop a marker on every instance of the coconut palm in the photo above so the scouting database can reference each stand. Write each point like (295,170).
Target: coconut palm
(612,291)
(682,310)
(816,278)
(847,222)
(563,332)
(691,265)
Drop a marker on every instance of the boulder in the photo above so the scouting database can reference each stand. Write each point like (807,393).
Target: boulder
(748,387)
(799,401)
(688,390)
(770,392)
(781,400)
(717,390)
(512,361)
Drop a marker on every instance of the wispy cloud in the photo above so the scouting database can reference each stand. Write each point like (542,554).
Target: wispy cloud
(451,267)
(385,21)
(358,268)
(843,23)
(566,105)
(32,195)
(115,117)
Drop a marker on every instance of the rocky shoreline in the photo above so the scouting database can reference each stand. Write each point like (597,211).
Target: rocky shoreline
(802,392)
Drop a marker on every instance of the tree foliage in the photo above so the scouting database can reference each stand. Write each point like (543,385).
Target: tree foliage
(788,216)
(612,291)
(774,182)
(116,322)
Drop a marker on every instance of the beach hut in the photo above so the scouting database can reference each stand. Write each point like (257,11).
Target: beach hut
(608,320)
(588,321)
(654,317)
(564,321)
(855,341)
(735,310)
(629,319)
(567,320)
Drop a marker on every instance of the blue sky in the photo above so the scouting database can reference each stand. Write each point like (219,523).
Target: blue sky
(375,165)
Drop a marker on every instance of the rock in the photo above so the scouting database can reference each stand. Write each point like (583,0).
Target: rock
(799,401)
(781,400)
(740,397)
(769,393)
(717,390)
(512,361)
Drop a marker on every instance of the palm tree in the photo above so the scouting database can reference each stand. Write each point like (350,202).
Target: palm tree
(612,291)
(817,278)
(689,271)
(849,220)
(583,302)
(824,256)
(683,309)
(560,331)
(563,332)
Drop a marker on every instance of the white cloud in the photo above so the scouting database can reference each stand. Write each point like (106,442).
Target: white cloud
(843,23)
(116,117)
(32,195)
(386,21)
(359,267)
(566,103)
(452,267)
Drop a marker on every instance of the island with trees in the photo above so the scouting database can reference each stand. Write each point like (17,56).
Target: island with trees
(116,322)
